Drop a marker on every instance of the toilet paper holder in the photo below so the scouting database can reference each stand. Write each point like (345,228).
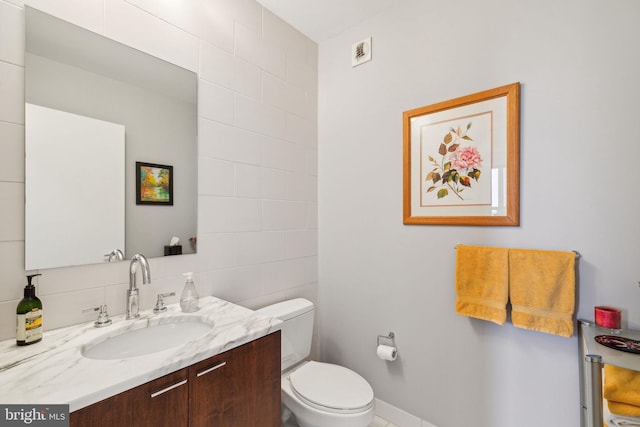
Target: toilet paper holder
(389,337)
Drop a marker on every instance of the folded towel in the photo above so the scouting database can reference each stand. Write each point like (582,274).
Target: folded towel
(482,282)
(624,421)
(622,390)
(623,409)
(542,290)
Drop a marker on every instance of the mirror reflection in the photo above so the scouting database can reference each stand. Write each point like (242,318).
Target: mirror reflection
(95,108)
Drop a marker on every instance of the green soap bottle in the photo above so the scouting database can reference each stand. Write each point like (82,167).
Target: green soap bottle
(29,316)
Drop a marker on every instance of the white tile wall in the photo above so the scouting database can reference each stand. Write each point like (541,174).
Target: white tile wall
(8,318)
(274,184)
(260,247)
(248,181)
(278,33)
(274,91)
(278,276)
(219,249)
(301,243)
(279,154)
(235,284)
(11,23)
(217,65)
(150,6)
(12,145)
(300,74)
(312,162)
(257,223)
(215,102)
(248,81)
(284,215)
(253,48)
(220,141)
(137,28)
(12,264)
(246,12)
(301,187)
(312,215)
(273,59)
(12,93)
(12,211)
(216,177)
(88,14)
(226,214)
(258,117)
(301,131)
(196,17)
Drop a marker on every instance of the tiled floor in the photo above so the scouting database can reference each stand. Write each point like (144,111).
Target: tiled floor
(379,422)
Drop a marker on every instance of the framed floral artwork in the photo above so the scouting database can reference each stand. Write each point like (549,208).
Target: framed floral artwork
(461,160)
(154,184)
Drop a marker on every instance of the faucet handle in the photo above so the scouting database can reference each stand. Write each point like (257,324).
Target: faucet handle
(103,316)
(160,307)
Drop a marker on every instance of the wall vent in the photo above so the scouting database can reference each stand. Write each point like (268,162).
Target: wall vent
(361,52)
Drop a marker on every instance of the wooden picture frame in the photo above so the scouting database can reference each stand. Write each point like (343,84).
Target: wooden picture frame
(154,184)
(461,160)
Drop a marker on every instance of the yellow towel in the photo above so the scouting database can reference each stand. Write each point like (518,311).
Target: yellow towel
(542,290)
(622,391)
(482,282)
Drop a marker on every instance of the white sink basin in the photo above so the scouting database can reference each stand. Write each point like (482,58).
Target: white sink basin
(146,340)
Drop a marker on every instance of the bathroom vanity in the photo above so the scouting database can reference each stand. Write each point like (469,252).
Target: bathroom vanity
(240,387)
(227,376)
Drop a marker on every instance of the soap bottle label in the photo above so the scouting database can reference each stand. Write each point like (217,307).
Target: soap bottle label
(29,328)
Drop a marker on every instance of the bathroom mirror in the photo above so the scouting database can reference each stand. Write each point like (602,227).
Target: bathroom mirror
(94,108)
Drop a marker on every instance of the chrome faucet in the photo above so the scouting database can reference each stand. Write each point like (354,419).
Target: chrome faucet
(114,255)
(133,306)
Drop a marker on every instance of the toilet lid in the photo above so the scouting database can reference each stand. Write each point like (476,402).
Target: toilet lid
(331,387)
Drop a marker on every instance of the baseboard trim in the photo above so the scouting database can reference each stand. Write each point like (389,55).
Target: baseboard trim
(399,417)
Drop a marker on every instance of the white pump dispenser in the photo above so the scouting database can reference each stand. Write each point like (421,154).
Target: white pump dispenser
(189,298)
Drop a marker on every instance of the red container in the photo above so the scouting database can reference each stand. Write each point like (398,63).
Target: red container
(607,317)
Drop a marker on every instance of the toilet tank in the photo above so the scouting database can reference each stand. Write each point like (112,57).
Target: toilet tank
(297,328)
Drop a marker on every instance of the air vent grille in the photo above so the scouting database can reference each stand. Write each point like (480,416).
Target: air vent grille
(361,52)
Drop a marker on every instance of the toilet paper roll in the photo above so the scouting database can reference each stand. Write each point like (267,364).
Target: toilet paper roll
(386,352)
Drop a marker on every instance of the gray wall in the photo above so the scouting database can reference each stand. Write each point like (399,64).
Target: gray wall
(578,64)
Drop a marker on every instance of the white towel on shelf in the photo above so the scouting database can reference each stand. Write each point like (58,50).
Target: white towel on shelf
(620,421)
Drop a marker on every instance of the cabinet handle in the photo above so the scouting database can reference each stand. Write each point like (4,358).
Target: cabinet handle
(213,368)
(171,387)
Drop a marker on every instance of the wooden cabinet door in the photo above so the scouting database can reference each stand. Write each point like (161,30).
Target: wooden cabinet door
(161,402)
(209,391)
(256,383)
(238,388)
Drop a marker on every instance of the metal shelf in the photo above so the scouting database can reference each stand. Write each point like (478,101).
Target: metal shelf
(593,357)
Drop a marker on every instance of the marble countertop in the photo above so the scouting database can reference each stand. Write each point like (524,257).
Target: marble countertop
(54,370)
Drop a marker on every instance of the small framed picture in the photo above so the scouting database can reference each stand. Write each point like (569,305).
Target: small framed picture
(154,184)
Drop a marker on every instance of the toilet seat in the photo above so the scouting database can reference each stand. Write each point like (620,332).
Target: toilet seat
(331,388)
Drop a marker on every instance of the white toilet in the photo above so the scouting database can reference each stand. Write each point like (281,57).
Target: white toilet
(318,394)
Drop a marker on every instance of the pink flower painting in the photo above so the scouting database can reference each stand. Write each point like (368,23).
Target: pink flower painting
(467,158)
(458,165)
